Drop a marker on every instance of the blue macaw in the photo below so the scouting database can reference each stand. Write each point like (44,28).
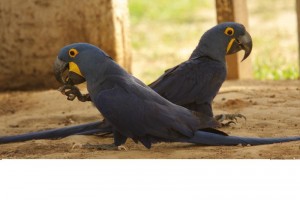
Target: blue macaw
(133,110)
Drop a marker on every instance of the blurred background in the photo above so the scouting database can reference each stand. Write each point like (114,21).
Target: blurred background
(165,32)
(145,37)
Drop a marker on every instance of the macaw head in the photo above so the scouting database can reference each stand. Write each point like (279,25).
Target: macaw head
(224,39)
(75,61)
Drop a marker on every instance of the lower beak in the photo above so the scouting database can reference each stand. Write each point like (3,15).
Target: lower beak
(243,42)
(64,75)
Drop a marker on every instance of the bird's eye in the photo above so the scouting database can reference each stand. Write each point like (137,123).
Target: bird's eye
(229,31)
(73,53)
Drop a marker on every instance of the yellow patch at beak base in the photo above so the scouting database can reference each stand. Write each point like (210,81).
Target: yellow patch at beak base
(73,67)
(230,44)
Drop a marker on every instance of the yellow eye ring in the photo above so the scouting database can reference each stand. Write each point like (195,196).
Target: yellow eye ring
(229,31)
(73,53)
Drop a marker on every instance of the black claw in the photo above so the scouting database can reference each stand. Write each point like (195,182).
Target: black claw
(235,116)
(220,118)
(242,116)
(228,123)
(71,97)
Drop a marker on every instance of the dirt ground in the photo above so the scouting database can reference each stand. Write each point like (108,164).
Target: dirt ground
(272,110)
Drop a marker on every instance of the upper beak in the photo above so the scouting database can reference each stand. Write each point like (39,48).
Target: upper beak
(243,42)
(65,75)
(59,68)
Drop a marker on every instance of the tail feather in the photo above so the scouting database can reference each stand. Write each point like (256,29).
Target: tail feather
(201,137)
(83,129)
(206,138)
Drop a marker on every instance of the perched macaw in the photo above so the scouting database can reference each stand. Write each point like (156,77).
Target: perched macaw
(195,83)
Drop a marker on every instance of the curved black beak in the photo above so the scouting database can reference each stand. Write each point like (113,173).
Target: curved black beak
(59,68)
(243,42)
(63,75)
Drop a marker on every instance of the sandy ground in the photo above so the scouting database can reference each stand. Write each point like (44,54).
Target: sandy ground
(271,108)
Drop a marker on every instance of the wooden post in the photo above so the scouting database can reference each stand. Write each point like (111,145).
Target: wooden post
(33,31)
(235,10)
(298,27)
(121,34)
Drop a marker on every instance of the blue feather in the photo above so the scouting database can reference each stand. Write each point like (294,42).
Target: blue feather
(83,129)
(207,138)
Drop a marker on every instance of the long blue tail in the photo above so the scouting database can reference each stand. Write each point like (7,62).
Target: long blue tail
(83,129)
(201,137)
(206,138)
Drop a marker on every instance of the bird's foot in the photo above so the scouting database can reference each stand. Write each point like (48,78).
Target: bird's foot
(71,91)
(104,147)
(231,118)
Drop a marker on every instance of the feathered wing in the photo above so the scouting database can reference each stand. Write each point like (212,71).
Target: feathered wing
(194,81)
